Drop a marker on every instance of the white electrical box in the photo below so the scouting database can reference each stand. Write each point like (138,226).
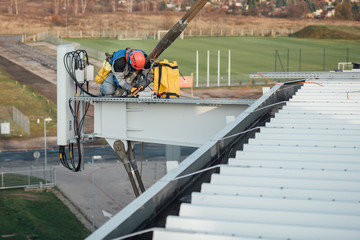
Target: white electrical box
(147,94)
(65,91)
(89,73)
(80,75)
(5,128)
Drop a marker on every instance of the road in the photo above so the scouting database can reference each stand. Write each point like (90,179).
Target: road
(111,190)
(147,152)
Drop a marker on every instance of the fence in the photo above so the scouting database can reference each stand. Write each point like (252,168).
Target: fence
(28,178)
(320,59)
(154,34)
(59,41)
(235,32)
(232,67)
(22,120)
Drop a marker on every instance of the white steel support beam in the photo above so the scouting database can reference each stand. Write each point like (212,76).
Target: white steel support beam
(174,122)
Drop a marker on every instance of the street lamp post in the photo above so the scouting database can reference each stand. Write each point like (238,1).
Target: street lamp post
(45,152)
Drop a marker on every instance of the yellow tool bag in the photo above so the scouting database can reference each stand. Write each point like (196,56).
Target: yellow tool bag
(166,79)
(103,73)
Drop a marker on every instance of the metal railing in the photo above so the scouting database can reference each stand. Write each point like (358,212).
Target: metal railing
(28,178)
(191,31)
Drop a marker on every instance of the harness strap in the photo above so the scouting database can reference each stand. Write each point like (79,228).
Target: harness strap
(159,80)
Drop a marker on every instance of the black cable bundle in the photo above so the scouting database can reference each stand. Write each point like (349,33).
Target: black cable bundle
(69,163)
(72,61)
(77,60)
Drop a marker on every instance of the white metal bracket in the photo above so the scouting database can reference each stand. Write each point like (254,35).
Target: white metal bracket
(184,122)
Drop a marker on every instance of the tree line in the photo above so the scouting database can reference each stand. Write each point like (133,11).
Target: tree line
(84,6)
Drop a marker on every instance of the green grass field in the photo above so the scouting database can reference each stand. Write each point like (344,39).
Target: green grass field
(12,180)
(41,215)
(248,54)
(29,103)
(329,32)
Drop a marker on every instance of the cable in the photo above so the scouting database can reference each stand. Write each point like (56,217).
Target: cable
(237,134)
(136,233)
(78,126)
(242,90)
(76,60)
(288,84)
(347,93)
(200,171)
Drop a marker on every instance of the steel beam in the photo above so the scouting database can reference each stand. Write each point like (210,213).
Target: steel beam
(176,122)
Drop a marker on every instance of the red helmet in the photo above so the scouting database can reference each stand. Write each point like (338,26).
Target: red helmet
(137,60)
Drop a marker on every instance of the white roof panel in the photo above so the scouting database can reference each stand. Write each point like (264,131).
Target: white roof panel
(297,179)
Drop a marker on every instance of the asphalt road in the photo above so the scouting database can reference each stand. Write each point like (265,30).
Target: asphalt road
(147,152)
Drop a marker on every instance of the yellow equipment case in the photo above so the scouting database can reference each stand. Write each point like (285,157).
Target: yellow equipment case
(166,79)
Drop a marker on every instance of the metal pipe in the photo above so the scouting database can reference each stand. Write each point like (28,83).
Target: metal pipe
(218,71)
(208,69)
(131,157)
(120,152)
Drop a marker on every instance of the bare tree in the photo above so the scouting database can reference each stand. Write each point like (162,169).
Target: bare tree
(10,7)
(154,5)
(145,5)
(16,7)
(113,5)
(66,5)
(130,6)
(13,4)
(76,7)
(83,6)
(56,6)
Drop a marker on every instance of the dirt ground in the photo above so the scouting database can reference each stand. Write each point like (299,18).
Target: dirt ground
(252,92)
(31,23)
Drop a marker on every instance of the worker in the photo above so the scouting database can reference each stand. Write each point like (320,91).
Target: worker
(121,64)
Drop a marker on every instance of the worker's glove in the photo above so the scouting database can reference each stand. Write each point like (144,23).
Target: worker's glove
(135,90)
(108,56)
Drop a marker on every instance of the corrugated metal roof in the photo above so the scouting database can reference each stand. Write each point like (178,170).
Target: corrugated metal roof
(299,178)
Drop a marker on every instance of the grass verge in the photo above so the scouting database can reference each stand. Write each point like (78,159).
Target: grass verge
(37,215)
(329,32)
(29,102)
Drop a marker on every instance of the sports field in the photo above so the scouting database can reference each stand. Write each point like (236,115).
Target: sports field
(248,54)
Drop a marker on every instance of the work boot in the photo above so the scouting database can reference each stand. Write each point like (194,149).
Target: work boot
(118,92)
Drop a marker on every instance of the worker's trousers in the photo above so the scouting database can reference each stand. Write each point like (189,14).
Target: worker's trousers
(108,87)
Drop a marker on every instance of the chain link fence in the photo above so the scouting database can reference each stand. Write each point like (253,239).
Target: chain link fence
(31,178)
(154,34)
(19,122)
(22,120)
